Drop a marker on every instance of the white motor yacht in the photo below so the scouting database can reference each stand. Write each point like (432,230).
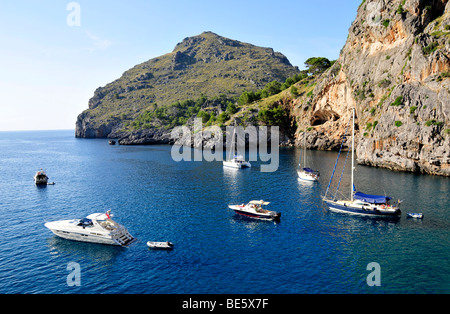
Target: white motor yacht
(95,228)
(40,177)
(254,210)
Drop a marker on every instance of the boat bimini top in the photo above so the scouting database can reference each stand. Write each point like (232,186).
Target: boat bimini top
(261,202)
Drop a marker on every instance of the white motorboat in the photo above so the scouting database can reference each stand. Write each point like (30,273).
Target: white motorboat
(237,162)
(95,228)
(160,245)
(414,215)
(40,178)
(254,210)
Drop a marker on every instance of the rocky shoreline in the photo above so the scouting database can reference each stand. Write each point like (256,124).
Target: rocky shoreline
(407,160)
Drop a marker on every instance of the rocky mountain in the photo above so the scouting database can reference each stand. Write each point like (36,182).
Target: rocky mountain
(205,65)
(394,69)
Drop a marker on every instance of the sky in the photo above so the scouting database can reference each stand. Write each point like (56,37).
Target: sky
(55,53)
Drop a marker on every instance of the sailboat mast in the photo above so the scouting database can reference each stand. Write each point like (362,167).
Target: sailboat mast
(233,143)
(353,151)
(304,149)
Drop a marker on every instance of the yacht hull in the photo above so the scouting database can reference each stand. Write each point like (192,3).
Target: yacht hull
(93,233)
(41,180)
(82,237)
(253,214)
(231,164)
(342,207)
(306,177)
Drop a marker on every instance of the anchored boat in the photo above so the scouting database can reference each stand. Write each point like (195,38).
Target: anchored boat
(414,215)
(360,203)
(95,228)
(40,178)
(237,162)
(305,173)
(160,245)
(254,209)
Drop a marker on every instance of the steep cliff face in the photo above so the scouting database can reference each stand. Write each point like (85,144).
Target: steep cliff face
(394,69)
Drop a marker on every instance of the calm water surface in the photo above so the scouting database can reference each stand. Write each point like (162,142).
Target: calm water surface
(312,250)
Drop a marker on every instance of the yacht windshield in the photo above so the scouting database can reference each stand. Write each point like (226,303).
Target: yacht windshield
(85,222)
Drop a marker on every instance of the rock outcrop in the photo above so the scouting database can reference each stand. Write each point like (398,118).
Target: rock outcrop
(394,69)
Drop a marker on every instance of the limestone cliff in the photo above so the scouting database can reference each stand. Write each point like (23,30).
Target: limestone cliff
(394,69)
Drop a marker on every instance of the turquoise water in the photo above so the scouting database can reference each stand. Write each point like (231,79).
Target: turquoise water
(311,250)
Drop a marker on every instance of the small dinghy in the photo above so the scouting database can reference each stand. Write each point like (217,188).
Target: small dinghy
(415,215)
(160,245)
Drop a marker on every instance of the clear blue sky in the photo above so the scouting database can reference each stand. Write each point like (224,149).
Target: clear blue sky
(49,69)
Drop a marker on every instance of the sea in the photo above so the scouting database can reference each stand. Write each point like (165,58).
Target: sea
(311,250)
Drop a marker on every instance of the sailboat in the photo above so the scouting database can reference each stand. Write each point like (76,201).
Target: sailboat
(237,162)
(360,203)
(306,174)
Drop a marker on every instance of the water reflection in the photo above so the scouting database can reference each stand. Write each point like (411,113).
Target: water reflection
(83,251)
(252,223)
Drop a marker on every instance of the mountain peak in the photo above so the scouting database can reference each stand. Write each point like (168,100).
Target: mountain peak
(203,65)
(206,40)
(211,47)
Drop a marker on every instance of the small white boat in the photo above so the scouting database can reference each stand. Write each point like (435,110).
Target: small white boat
(40,178)
(308,174)
(414,215)
(305,173)
(237,162)
(95,228)
(254,210)
(160,245)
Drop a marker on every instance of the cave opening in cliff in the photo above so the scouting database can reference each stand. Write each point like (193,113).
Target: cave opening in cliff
(322,116)
(433,9)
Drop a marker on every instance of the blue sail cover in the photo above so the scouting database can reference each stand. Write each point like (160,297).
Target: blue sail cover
(373,199)
(309,170)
